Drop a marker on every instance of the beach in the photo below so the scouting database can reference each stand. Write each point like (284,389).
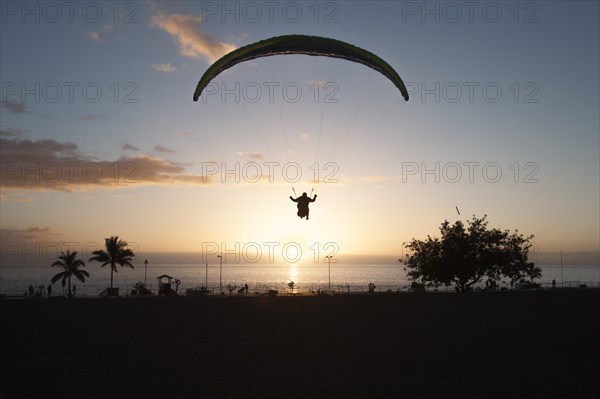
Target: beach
(489,344)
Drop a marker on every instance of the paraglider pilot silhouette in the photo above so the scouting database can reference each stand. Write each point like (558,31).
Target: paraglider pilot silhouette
(305,45)
(303,202)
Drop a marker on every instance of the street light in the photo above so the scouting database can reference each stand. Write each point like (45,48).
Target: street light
(145,271)
(562,278)
(329,266)
(402,256)
(206,277)
(220,274)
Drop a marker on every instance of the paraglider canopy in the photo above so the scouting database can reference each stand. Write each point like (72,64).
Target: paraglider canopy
(301,44)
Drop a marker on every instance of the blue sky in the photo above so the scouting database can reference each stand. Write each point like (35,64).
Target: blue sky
(527,75)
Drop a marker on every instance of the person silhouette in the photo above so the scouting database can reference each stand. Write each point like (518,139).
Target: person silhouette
(303,202)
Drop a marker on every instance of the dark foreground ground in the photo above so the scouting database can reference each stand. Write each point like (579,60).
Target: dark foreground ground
(484,345)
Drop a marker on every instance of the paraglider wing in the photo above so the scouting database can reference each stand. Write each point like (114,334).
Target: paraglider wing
(301,44)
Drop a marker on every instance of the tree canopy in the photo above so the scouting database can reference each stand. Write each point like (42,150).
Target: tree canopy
(464,255)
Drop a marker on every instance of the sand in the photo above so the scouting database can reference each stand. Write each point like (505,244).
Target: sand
(502,344)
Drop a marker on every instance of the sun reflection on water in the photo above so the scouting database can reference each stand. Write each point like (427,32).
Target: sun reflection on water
(293,272)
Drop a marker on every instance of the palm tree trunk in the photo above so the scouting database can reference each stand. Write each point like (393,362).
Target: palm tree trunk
(112,267)
(70,295)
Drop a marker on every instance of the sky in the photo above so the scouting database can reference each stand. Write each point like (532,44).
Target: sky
(100,135)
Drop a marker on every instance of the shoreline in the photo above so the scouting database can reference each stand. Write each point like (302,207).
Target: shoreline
(341,291)
(16,280)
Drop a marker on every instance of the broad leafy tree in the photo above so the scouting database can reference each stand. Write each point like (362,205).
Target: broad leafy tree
(464,255)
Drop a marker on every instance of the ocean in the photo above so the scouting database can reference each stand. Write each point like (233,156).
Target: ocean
(16,279)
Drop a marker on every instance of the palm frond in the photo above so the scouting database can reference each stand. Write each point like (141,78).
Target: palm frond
(100,256)
(115,253)
(58,263)
(71,265)
(81,275)
(57,277)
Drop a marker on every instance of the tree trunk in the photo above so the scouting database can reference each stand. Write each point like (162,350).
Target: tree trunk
(112,267)
(70,295)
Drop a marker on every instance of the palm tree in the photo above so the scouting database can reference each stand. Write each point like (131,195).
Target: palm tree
(533,271)
(116,253)
(71,267)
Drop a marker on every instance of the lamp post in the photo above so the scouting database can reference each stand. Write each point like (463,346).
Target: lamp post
(206,277)
(402,256)
(329,267)
(562,278)
(145,271)
(220,274)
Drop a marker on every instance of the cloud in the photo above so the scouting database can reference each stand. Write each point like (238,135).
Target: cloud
(94,36)
(13,107)
(13,133)
(166,68)
(304,136)
(192,43)
(96,117)
(129,147)
(15,196)
(319,83)
(36,246)
(251,155)
(28,234)
(162,148)
(28,151)
(51,165)
(184,133)
(378,179)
